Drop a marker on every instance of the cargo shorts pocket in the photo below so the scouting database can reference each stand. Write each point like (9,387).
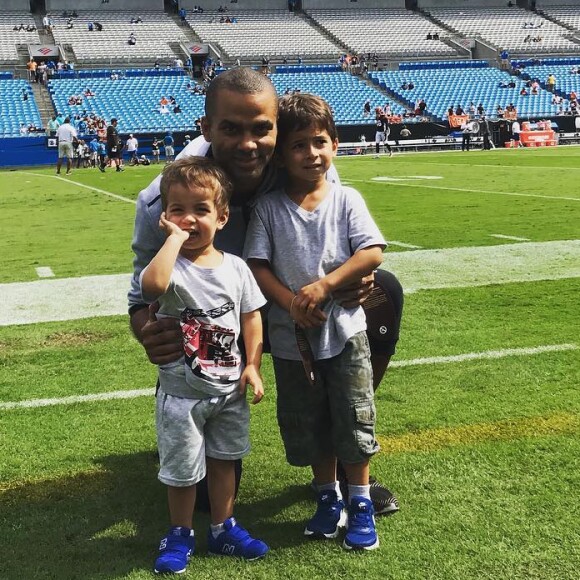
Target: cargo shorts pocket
(364,426)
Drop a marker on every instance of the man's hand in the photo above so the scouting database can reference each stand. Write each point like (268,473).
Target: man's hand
(354,294)
(161,339)
(251,376)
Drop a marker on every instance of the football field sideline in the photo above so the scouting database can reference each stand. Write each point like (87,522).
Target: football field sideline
(56,299)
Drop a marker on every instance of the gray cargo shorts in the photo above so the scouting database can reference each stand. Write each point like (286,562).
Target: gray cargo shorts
(336,416)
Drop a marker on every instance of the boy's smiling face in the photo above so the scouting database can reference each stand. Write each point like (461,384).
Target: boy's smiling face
(307,154)
(193,209)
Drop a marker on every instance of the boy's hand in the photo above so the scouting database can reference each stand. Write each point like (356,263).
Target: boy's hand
(251,376)
(312,295)
(305,319)
(172,229)
(354,294)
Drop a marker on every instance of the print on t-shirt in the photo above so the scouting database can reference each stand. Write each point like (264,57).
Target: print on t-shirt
(207,346)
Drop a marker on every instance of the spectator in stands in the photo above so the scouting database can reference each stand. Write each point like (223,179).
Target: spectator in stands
(98,26)
(69,24)
(366,108)
(499,111)
(23,129)
(47,23)
(132,40)
(178,63)
(480,110)
(182,15)
(450,111)
(30,28)
(90,26)
(459,110)
(523,91)
(31,66)
(66,135)
(535,87)
(551,82)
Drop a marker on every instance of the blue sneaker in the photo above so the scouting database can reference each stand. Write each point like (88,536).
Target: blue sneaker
(174,551)
(236,541)
(361,533)
(329,517)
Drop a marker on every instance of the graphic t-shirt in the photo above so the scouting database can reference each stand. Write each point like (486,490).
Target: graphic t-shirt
(208,303)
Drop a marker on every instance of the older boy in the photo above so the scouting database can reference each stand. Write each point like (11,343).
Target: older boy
(332,232)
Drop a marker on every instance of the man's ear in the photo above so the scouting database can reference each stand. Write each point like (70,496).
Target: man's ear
(334,147)
(206,128)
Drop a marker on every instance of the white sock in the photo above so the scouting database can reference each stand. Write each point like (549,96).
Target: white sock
(360,491)
(332,486)
(216,530)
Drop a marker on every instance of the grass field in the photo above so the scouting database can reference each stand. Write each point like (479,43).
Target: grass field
(479,415)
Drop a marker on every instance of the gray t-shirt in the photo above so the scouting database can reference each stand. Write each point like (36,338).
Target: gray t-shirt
(303,247)
(208,302)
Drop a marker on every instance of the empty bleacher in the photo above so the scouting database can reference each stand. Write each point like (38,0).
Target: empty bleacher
(16,110)
(388,32)
(110,45)
(133,100)
(10,38)
(566,15)
(257,33)
(345,93)
(445,87)
(508,28)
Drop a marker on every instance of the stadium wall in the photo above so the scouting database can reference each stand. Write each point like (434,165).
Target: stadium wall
(98,5)
(21,5)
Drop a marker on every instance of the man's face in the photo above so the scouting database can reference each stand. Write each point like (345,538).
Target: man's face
(242,131)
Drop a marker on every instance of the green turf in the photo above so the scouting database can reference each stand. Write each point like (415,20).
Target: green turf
(482,454)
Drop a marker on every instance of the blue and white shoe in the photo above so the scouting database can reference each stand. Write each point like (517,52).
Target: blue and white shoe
(236,541)
(174,551)
(361,533)
(329,517)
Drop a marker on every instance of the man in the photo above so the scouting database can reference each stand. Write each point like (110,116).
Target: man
(132,145)
(239,132)
(465,136)
(66,135)
(52,126)
(114,149)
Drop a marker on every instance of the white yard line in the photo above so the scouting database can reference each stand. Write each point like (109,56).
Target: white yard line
(403,245)
(44,272)
(490,354)
(514,238)
(91,187)
(463,190)
(75,298)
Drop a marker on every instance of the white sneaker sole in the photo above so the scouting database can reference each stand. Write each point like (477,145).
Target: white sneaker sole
(329,536)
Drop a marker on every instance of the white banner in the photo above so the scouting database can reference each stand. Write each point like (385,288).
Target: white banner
(43,50)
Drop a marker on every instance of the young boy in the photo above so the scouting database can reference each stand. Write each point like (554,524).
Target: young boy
(202,412)
(303,242)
